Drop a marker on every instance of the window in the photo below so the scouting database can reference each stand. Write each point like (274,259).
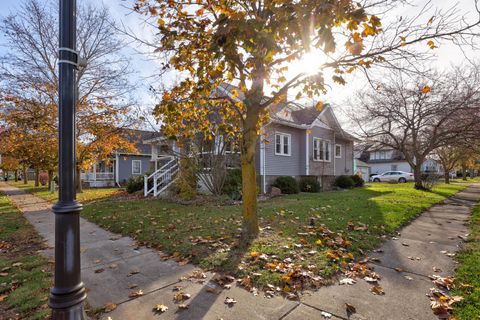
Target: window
(382,155)
(321,150)
(136,166)
(283,143)
(338,151)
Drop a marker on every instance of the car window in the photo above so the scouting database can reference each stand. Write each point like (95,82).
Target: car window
(387,173)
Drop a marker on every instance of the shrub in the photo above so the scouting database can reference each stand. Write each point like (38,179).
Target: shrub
(186,183)
(309,184)
(233,184)
(344,182)
(288,185)
(429,180)
(43,178)
(134,184)
(357,180)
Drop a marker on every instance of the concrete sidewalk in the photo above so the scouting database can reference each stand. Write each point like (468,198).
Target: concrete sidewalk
(113,267)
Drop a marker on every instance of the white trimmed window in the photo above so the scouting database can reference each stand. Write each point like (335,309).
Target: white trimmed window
(283,144)
(321,150)
(137,167)
(338,151)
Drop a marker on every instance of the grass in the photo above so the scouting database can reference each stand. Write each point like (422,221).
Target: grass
(25,276)
(88,194)
(468,273)
(321,231)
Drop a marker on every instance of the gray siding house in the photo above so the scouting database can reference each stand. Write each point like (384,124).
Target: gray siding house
(116,170)
(302,141)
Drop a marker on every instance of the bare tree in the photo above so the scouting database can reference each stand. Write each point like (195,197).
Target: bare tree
(449,157)
(416,115)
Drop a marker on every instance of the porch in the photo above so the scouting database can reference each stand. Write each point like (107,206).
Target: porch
(100,175)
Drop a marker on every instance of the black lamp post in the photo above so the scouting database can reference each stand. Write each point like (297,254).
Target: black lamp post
(68,293)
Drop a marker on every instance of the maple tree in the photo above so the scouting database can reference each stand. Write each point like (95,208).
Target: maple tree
(251,43)
(28,72)
(31,135)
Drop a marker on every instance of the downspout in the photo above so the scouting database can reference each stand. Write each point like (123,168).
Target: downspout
(334,158)
(307,154)
(262,163)
(117,165)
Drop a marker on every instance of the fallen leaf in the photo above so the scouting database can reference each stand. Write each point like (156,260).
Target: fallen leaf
(326,315)
(183,306)
(109,307)
(161,308)
(99,270)
(3,297)
(399,269)
(136,294)
(132,286)
(230,301)
(17,264)
(350,309)
(377,290)
(408,278)
(348,281)
(3,274)
(181,296)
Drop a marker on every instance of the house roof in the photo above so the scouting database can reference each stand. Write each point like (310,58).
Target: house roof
(293,114)
(360,163)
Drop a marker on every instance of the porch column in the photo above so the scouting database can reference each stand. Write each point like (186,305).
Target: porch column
(95,171)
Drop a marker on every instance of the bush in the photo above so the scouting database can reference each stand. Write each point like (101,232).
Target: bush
(357,180)
(233,184)
(429,180)
(309,184)
(288,185)
(43,178)
(344,182)
(186,183)
(134,184)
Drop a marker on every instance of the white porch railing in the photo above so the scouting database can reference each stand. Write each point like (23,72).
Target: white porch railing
(97,176)
(161,179)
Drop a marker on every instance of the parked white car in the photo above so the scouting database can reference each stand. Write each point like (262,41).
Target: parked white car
(393,176)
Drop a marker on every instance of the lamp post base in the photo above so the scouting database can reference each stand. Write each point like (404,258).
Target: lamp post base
(73,313)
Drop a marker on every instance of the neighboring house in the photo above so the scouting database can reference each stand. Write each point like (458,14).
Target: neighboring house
(298,141)
(381,159)
(116,170)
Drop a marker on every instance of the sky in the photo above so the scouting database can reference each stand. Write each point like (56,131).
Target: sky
(339,96)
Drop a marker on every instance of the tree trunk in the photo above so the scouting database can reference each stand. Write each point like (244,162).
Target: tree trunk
(50,179)
(37,177)
(447,177)
(16,175)
(464,172)
(417,174)
(249,180)
(25,178)
(78,180)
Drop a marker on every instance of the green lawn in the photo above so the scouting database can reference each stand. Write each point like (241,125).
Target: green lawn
(25,276)
(468,273)
(320,232)
(88,195)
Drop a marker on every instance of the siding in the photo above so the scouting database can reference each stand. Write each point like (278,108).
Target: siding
(344,165)
(125,166)
(378,168)
(277,165)
(321,168)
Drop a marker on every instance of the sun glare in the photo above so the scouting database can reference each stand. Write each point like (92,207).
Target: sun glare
(310,63)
